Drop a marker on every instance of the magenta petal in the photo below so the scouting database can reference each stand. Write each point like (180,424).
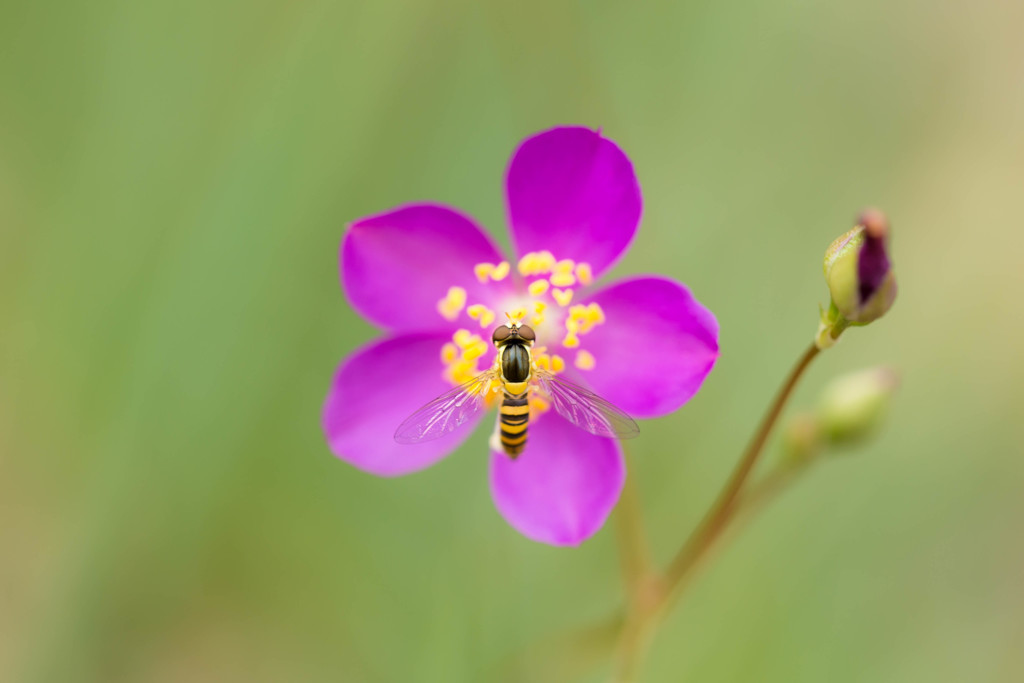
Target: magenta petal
(397,265)
(654,350)
(373,391)
(563,486)
(573,193)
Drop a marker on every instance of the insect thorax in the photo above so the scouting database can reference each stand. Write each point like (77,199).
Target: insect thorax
(515,362)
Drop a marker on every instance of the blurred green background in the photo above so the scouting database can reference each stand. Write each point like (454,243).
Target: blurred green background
(174,182)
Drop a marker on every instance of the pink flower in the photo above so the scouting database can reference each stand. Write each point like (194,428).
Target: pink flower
(437,285)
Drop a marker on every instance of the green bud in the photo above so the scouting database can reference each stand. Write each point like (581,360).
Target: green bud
(802,439)
(860,277)
(854,405)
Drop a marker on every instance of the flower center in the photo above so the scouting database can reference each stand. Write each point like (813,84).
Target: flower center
(544,301)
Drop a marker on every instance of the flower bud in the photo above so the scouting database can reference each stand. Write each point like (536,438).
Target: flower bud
(858,272)
(854,405)
(802,439)
(860,278)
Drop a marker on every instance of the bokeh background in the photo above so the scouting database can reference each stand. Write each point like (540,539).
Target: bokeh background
(175,178)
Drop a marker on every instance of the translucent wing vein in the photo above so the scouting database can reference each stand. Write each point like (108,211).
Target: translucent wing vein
(585,409)
(447,412)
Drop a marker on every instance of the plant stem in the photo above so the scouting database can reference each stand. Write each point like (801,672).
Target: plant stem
(649,594)
(634,550)
(722,509)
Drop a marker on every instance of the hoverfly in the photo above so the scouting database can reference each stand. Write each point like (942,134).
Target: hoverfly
(515,373)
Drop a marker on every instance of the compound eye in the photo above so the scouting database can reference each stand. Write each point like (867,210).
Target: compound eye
(527,333)
(501,333)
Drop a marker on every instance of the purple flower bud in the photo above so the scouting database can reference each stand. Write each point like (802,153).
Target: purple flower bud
(859,272)
(873,263)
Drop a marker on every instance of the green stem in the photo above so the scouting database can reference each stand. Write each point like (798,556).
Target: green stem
(634,550)
(650,595)
(722,509)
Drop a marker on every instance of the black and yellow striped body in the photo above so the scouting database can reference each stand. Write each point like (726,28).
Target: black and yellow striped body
(515,362)
(514,419)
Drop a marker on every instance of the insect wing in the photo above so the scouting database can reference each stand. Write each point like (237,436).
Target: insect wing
(447,412)
(585,409)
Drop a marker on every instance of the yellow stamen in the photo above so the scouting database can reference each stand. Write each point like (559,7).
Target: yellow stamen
(562,296)
(475,350)
(528,264)
(537,287)
(501,271)
(483,271)
(563,279)
(538,404)
(571,340)
(564,266)
(585,317)
(451,305)
(461,371)
(585,360)
(545,261)
(536,263)
(557,364)
(562,273)
(539,307)
(462,338)
(584,273)
(537,320)
(517,314)
(481,313)
(542,361)
(449,352)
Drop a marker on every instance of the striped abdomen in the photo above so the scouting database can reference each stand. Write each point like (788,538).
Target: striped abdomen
(514,417)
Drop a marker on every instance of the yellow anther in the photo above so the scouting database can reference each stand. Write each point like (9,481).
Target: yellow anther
(536,263)
(517,314)
(501,271)
(537,404)
(557,364)
(564,266)
(562,296)
(584,273)
(483,271)
(475,350)
(572,324)
(537,320)
(449,352)
(463,338)
(545,261)
(451,305)
(585,317)
(585,360)
(542,361)
(539,307)
(571,340)
(481,313)
(563,279)
(537,287)
(461,371)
